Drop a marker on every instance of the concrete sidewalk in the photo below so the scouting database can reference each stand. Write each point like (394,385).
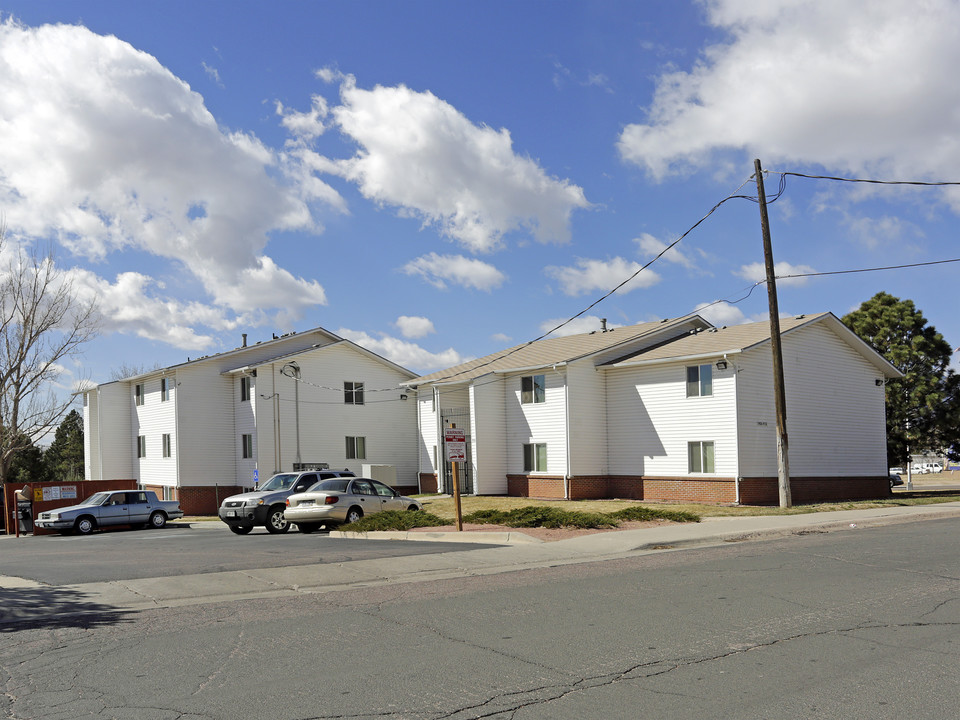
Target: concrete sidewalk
(509,553)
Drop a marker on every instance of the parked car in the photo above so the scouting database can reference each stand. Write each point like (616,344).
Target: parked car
(265,505)
(137,508)
(924,468)
(343,500)
(897,471)
(895,480)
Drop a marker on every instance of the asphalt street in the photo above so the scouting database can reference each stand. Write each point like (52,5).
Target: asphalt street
(858,619)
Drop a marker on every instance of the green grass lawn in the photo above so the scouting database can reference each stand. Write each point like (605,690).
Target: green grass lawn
(442,506)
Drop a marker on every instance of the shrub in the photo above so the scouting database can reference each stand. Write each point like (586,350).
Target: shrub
(548,517)
(641,513)
(394,520)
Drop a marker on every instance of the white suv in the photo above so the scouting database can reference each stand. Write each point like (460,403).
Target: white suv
(924,468)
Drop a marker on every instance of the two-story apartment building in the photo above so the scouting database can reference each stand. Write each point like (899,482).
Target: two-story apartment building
(669,410)
(213,426)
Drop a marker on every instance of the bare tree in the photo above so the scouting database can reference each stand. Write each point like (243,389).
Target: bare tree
(43,323)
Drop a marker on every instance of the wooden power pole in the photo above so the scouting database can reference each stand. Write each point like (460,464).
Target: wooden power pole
(780,398)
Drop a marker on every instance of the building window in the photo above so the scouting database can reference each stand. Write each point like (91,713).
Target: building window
(700,457)
(700,380)
(535,457)
(141,446)
(247,442)
(138,393)
(353,393)
(244,388)
(166,444)
(164,389)
(533,389)
(356,448)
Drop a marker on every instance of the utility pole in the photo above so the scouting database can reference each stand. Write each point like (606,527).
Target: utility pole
(780,398)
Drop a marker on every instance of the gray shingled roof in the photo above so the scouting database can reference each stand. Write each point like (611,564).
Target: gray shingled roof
(550,351)
(717,341)
(738,338)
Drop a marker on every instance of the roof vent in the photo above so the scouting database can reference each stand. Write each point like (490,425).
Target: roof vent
(244,336)
(603,324)
(800,317)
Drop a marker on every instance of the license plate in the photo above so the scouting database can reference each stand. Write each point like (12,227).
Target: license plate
(231,513)
(307,502)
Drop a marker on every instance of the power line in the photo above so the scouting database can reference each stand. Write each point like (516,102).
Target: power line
(863,180)
(862,270)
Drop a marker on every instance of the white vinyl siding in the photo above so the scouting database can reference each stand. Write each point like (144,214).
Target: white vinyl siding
(154,419)
(428,423)
(536,423)
(488,451)
(650,422)
(835,409)
(587,416)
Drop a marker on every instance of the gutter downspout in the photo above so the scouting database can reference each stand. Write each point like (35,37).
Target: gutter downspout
(736,425)
(441,467)
(99,439)
(566,429)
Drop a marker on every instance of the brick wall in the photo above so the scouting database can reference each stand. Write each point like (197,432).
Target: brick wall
(428,483)
(84,489)
(765,491)
(717,490)
(205,500)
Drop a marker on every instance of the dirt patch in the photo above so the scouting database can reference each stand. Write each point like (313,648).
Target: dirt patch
(546,534)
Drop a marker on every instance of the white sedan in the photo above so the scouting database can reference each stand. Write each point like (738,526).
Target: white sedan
(343,500)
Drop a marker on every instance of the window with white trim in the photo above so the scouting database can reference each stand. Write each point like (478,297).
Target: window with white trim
(352,392)
(164,389)
(166,445)
(356,448)
(244,388)
(533,389)
(700,457)
(535,457)
(141,446)
(138,394)
(700,380)
(246,441)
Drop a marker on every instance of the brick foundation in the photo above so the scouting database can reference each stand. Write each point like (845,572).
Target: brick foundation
(718,490)
(205,500)
(428,483)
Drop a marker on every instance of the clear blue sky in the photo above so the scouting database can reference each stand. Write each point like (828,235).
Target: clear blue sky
(440,180)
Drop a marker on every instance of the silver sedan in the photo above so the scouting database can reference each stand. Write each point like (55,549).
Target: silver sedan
(343,500)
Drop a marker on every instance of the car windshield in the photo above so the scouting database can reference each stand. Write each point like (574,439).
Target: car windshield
(280,482)
(96,499)
(331,485)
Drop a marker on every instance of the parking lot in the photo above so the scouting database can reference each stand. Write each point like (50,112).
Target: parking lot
(185,548)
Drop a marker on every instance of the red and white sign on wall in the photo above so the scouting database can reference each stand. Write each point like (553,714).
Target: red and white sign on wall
(455,440)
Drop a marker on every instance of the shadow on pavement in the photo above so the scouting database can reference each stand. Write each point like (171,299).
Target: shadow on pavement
(51,607)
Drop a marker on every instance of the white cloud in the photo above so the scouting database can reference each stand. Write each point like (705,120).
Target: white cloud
(603,275)
(415,327)
(501,337)
(306,125)
(722,313)
(406,354)
(439,270)
(756,272)
(583,324)
(651,247)
(420,154)
(105,151)
(861,87)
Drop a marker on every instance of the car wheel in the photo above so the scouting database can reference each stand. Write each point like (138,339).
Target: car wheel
(158,520)
(413,507)
(276,522)
(241,529)
(307,528)
(85,525)
(354,514)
